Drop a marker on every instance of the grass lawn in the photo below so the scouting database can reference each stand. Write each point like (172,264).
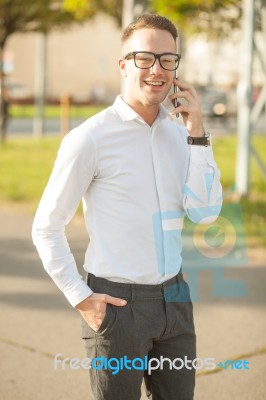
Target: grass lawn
(253,207)
(29,111)
(25,165)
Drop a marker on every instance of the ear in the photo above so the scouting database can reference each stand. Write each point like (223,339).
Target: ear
(122,67)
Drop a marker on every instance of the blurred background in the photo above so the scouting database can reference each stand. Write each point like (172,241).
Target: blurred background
(71,55)
(59,66)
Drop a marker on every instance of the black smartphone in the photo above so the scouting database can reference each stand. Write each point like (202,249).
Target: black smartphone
(176,102)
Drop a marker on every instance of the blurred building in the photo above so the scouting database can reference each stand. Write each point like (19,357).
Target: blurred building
(219,62)
(82,62)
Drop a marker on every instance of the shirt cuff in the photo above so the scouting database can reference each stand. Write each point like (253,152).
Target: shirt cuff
(78,294)
(202,155)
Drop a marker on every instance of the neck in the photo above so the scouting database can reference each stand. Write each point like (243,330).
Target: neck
(148,113)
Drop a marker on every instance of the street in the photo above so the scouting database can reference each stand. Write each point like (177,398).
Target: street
(52,125)
(37,323)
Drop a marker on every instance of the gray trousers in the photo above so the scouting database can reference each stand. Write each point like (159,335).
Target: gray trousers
(156,326)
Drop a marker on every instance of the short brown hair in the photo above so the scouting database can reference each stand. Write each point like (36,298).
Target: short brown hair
(150,21)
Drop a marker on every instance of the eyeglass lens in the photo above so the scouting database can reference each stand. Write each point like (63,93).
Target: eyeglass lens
(147,60)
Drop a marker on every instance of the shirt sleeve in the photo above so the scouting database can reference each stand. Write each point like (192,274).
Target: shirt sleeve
(73,171)
(203,190)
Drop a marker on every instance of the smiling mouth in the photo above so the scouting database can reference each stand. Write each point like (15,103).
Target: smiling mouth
(154,83)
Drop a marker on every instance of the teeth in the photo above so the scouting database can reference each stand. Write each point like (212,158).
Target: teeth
(154,83)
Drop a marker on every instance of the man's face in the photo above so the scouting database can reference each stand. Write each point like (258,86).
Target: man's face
(147,87)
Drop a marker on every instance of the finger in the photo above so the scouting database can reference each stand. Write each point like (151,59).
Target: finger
(98,320)
(95,326)
(186,95)
(179,107)
(184,109)
(185,89)
(177,110)
(100,314)
(175,103)
(185,86)
(115,301)
(94,321)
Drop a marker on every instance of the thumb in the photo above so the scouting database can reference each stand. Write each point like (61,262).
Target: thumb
(115,301)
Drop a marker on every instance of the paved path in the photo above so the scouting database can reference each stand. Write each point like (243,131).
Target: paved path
(24,126)
(37,323)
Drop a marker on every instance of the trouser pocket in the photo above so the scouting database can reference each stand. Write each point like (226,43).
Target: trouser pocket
(106,325)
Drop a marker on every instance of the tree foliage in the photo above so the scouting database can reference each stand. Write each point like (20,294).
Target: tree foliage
(82,9)
(30,15)
(216,17)
(23,16)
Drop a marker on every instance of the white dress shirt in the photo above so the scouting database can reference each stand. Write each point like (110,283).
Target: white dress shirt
(137,182)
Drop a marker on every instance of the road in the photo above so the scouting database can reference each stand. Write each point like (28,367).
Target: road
(24,126)
(52,126)
(37,323)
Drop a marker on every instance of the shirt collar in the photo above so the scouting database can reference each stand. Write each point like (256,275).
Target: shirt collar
(127,113)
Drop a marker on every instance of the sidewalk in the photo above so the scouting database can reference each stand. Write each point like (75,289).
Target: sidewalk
(37,323)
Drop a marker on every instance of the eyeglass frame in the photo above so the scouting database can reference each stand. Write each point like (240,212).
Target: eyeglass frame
(156,57)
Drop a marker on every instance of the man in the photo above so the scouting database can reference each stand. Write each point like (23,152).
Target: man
(138,172)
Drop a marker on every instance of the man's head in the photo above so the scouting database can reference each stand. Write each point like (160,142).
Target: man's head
(148,61)
(149,21)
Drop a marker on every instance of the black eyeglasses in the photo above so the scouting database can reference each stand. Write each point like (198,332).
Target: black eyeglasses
(147,59)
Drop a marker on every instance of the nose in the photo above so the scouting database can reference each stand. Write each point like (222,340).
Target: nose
(156,67)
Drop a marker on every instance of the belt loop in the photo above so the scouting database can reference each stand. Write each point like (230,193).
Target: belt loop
(163,290)
(133,292)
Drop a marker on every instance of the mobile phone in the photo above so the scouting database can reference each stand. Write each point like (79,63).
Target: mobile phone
(176,102)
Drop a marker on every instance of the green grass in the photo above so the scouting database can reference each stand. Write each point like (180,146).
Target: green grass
(254,206)
(25,166)
(22,111)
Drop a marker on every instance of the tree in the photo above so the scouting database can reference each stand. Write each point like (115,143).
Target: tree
(84,9)
(216,17)
(24,16)
(42,16)
(87,8)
